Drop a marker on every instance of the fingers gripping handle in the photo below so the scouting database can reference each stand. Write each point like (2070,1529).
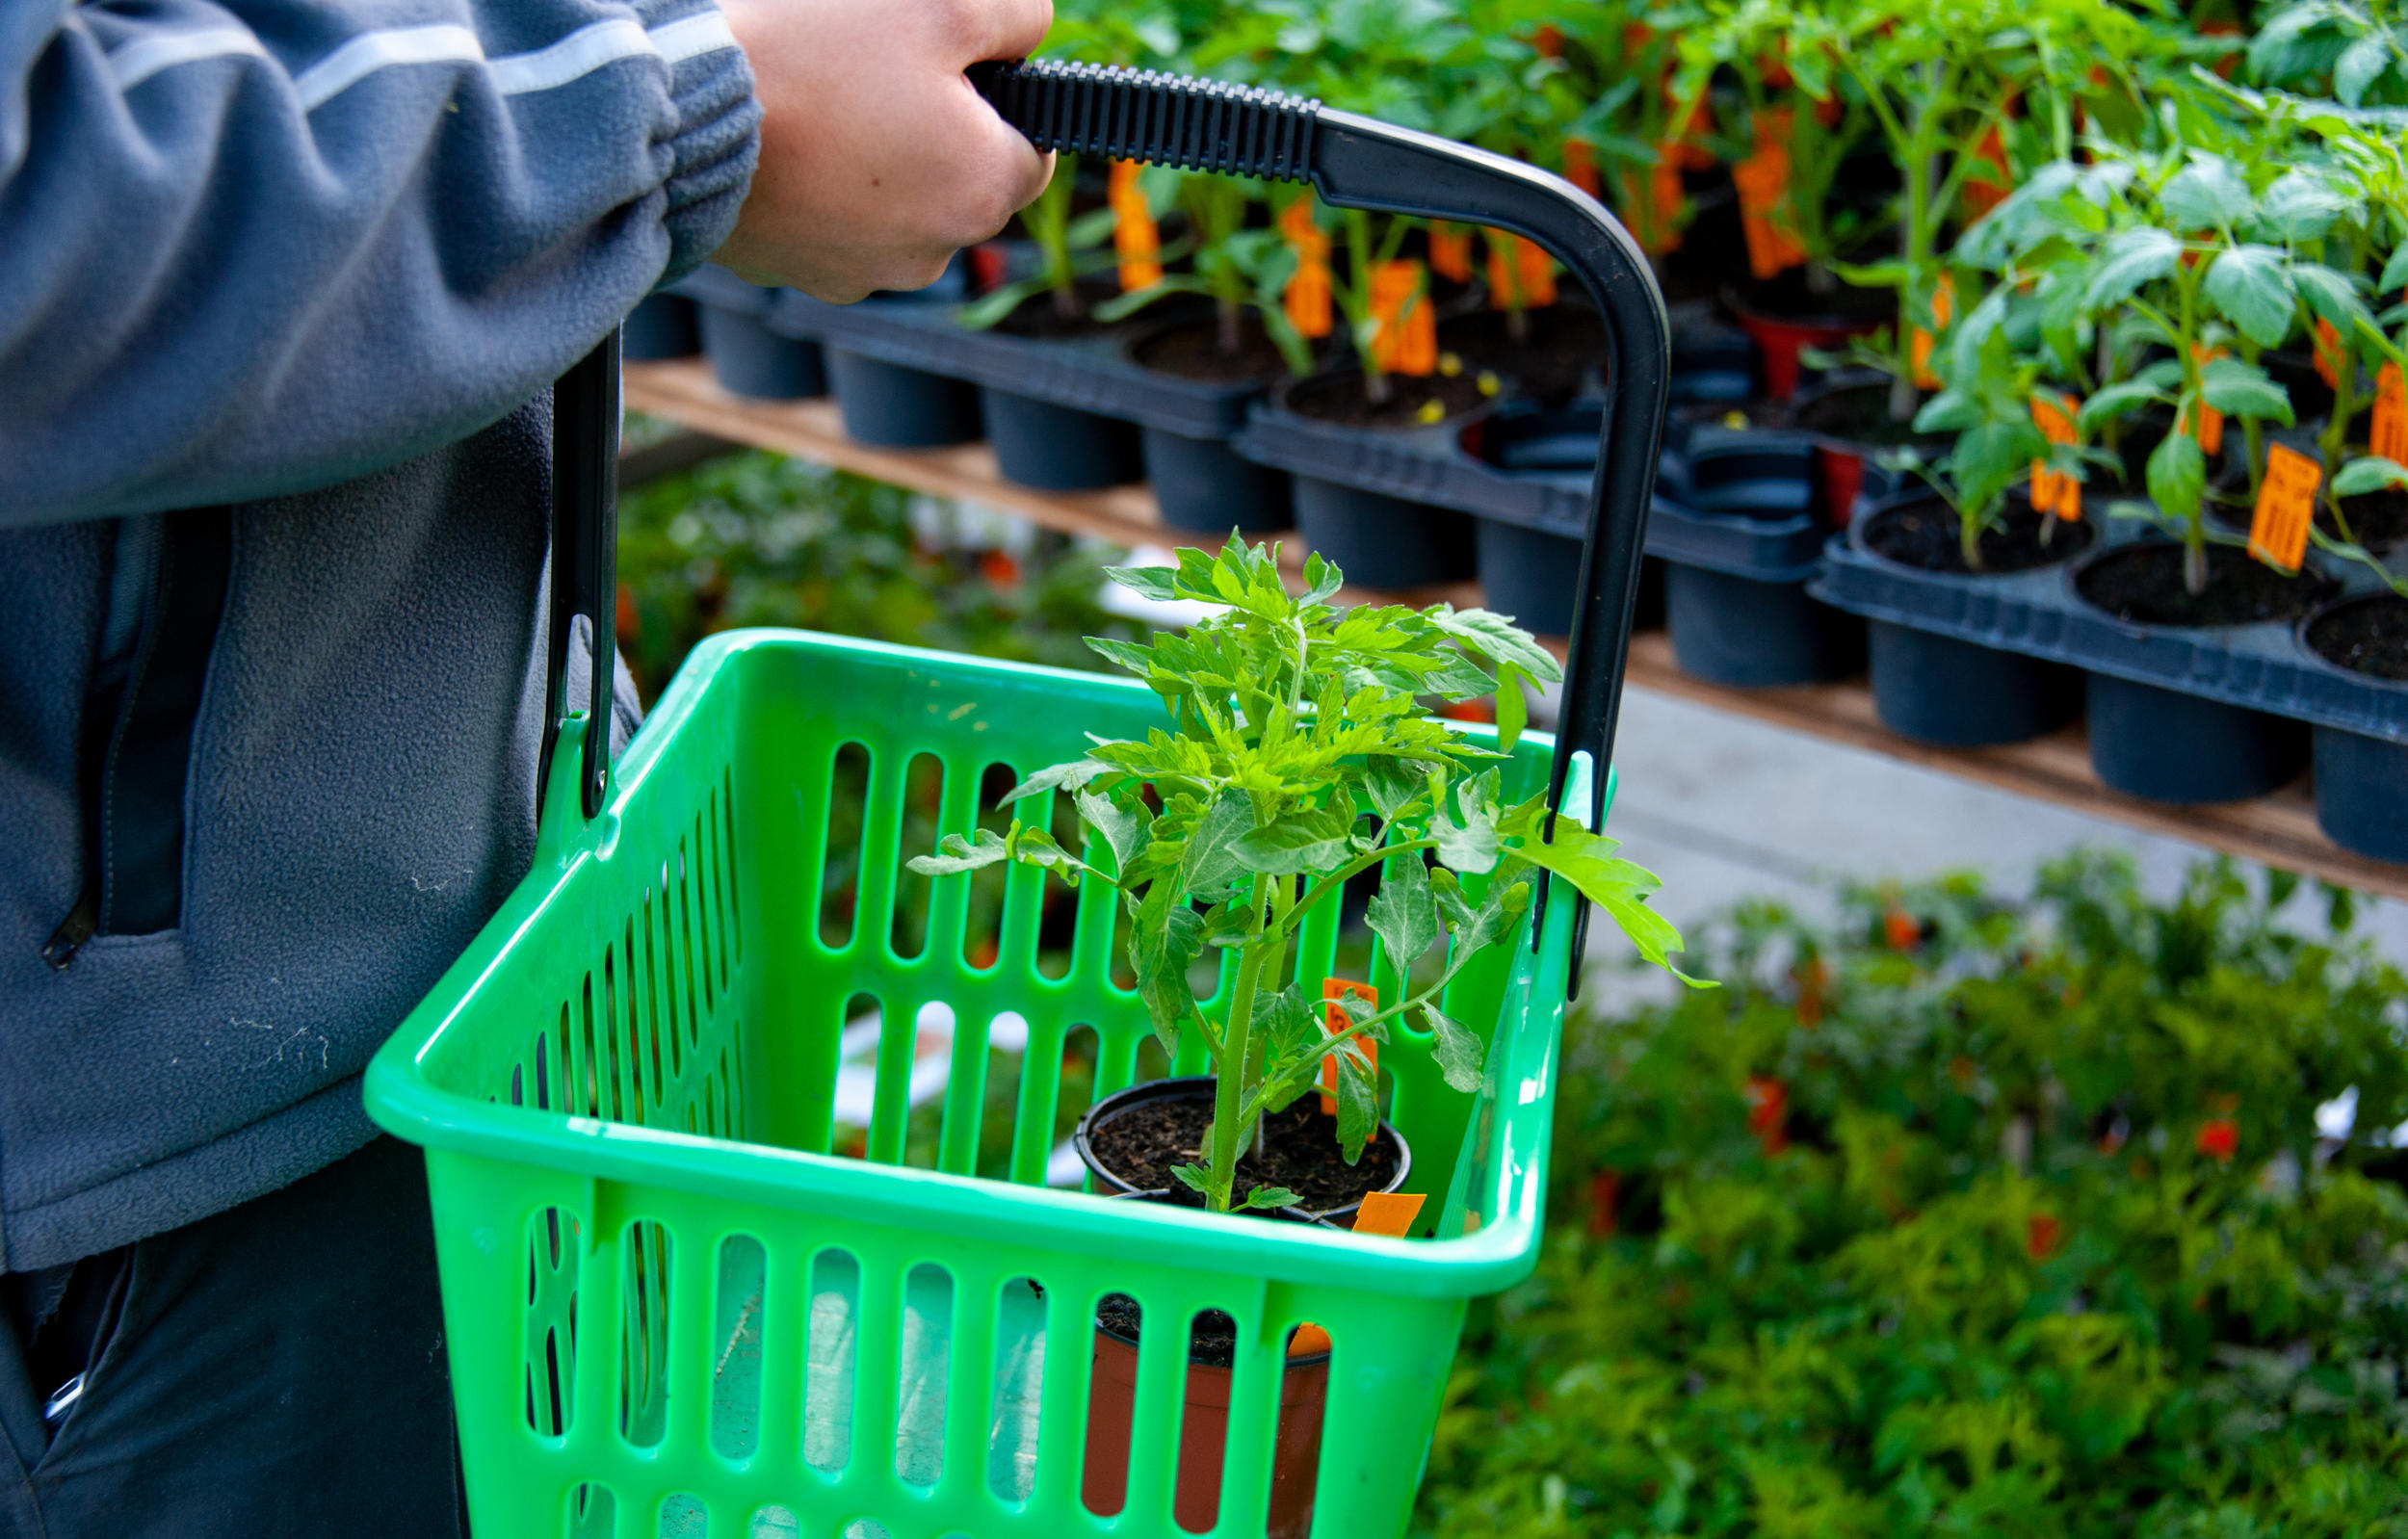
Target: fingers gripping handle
(1356,161)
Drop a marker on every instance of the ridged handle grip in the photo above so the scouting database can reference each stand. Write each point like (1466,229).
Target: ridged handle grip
(1208,125)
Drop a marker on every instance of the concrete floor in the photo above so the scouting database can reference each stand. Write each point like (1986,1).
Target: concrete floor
(1725,808)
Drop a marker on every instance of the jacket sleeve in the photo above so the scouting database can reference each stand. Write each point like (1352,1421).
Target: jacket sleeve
(250,247)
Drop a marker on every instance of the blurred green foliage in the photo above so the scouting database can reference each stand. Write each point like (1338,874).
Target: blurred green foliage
(1966,1216)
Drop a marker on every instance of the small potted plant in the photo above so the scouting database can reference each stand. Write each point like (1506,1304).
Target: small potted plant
(1301,755)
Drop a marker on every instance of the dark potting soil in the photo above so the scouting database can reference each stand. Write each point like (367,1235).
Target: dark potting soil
(1337,398)
(1925,535)
(2144,584)
(1040,318)
(2378,520)
(1860,414)
(1193,351)
(1143,1145)
(1562,356)
(1791,296)
(2369,636)
(1212,1338)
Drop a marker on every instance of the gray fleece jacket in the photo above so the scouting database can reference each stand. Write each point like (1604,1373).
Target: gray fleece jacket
(283,285)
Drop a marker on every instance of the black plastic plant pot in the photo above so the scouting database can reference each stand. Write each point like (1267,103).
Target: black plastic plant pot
(1199,1087)
(2164,745)
(2362,779)
(888,406)
(1205,490)
(1384,541)
(1050,448)
(660,328)
(750,359)
(1754,634)
(1936,688)
(1530,574)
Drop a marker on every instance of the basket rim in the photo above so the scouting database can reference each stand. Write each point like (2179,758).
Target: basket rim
(402,1099)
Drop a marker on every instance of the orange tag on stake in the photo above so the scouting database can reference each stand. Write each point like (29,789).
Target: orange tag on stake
(1307,300)
(1333,1023)
(1136,238)
(1530,277)
(1763,181)
(1388,1213)
(1920,343)
(2287,502)
(1450,250)
(2389,434)
(1580,166)
(2052,491)
(2328,353)
(1406,340)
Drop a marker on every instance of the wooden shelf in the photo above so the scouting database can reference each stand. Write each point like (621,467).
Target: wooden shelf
(2279,830)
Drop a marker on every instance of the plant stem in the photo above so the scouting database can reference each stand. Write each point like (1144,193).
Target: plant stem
(1236,1044)
(2189,422)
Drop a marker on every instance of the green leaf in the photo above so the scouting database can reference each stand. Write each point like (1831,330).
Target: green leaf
(2116,400)
(1125,830)
(2130,260)
(1358,1104)
(2360,66)
(1312,840)
(2205,194)
(1949,411)
(1404,912)
(2244,390)
(1615,885)
(2250,286)
(2331,294)
(1165,938)
(1211,866)
(1137,659)
(2369,472)
(1195,1178)
(1496,638)
(1513,706)
(1270,1198)
(1465,826)
(1068,777)
(1034,847)
(1456,677)
(1322,578)
(1391,783)
(2301,205)
(1458,1052)
(1157,583)
(957,854)
(2178,475)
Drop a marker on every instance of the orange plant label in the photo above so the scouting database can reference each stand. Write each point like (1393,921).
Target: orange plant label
(1981,197)
(1450,250)
(1334,1022)
(2054,491)
(1309,1339)
(1388,1213)
(2389,435)
(1531,276)
(1653,207)
(1136,238)
(1763,181)
(2286,501)
(2329,354)
(1307,300)
(1580,166)
(1405,338)
(1920,343)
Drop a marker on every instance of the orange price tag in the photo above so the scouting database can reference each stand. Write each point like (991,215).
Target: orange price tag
(2328,353)
(1333,1021)
(2210,434)
(1450,250)
(1136,238)
(1529,277)
(2287,502)
(2389,434)
(1981,197)
(1308,1340)
(2054,491)
(1388,1213)
(1920,343)
(1580,166)
(1652,203)
(1406,340)
(1763,181)
(1307,300)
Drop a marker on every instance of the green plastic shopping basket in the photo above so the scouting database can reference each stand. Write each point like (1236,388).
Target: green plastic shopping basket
(672,1307)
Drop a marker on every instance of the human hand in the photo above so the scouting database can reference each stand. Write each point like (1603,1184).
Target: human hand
(879,159)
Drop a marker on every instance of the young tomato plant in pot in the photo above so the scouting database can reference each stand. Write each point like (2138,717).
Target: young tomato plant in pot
(1070,247)
(2364,512)
(1300,755)
(1244,270)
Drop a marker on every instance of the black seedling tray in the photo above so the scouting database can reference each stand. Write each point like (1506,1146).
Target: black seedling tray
(2261,667)
(1086,374)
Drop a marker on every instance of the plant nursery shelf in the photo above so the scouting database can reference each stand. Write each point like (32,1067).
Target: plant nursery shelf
(2279,830)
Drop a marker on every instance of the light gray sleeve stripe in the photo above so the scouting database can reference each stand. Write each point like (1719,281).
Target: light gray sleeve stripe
(143,57)
(692,37)
(579,54)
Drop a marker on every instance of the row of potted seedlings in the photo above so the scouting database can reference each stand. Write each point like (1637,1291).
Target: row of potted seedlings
(1885,234)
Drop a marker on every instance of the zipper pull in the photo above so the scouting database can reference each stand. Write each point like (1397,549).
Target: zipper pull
(72,933)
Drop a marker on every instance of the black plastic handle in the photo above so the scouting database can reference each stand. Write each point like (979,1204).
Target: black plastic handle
(585,561)
(1356,161)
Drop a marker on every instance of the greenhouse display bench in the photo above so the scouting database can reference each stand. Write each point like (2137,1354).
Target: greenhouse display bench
(2279,830)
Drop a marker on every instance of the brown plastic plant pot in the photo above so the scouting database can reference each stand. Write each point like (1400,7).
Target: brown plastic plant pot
(1199,1086)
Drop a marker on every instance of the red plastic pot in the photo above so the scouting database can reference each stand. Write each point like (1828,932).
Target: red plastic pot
(1780,339)
(1203,1432)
